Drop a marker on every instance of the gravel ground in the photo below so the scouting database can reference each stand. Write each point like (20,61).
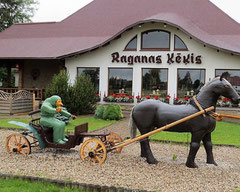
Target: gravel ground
(128,170)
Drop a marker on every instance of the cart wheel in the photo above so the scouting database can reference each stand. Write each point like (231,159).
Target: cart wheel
(112,140)
(17,143)
(93,150)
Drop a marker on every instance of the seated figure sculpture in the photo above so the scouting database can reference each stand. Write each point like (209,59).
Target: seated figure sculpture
(50,107)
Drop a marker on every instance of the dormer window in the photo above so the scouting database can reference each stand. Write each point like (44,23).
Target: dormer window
(155,40)
(132,45)
(179,45)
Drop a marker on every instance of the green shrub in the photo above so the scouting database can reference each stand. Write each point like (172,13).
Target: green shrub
(99,112)
(112,112)
(59,86)
(79,98)
(119,111)
(83,95)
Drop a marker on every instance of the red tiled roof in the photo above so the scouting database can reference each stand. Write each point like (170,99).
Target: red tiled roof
(102,20)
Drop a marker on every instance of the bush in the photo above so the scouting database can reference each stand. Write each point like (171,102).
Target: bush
(59,86)
(99,112)
(112,112)
(83,95)
(119,111)
(79,98)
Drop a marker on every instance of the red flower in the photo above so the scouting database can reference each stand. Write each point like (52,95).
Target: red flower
(138,97)
(130,97)
(104,95)
(186,98)
(168,97)
(156,97)
(118,96)
(97,95)
(114,95)
(148,96)
(175,99)
(225,99)
(229,100)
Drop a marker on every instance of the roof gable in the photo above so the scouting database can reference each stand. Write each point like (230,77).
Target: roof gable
(102,20)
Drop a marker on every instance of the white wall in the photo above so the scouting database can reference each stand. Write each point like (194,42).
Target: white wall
(211,59)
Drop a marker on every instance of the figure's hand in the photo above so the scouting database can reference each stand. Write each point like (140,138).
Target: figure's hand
(58,109)
(73,117)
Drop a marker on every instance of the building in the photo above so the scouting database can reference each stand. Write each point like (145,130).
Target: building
(134,48)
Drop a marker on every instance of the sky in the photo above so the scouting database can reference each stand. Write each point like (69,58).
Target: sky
(57,10)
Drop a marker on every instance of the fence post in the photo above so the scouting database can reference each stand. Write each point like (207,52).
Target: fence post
(10,104)
(33,101)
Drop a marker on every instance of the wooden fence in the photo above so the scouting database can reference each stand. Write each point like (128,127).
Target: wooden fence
(39,93)
(19,102)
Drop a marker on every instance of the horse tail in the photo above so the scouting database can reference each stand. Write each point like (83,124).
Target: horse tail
(132,126)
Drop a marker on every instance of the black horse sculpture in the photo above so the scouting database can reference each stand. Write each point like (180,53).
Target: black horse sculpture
(152,114)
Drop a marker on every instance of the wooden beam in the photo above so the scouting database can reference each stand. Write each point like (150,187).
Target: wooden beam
(20,76)
(9,75)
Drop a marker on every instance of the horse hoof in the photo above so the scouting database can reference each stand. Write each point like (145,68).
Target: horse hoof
(212,162)
(191,165)
(152,161)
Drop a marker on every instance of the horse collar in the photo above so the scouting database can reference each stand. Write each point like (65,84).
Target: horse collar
(198,105)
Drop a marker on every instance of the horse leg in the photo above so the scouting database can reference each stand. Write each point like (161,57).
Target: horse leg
(208,148)
(194,146)
(146,151)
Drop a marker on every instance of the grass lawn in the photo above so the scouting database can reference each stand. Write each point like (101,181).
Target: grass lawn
(93,123)
(225,133)
(13,185)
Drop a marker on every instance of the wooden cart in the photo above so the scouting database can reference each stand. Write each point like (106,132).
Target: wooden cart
(93,149)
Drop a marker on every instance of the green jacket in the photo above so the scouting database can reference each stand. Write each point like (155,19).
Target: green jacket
(48,108)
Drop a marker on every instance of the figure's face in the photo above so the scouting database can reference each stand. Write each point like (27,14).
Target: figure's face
(59,103)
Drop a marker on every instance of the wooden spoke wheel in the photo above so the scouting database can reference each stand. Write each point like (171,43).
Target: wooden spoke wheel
(18,144)
(112,140)
(93,151)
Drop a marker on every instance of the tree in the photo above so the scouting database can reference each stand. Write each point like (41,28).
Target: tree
(16,11)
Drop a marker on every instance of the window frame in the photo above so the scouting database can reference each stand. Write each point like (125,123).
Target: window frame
(125,49)
(156,49)
(142,79)
(175,44)
(189,69)
(98,77)
(109,68)
(226,70)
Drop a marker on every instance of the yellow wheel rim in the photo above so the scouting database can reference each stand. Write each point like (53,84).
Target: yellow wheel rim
(114,139)
(18,144)
(93,151)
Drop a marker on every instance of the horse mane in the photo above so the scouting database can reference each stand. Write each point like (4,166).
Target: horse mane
(210,82)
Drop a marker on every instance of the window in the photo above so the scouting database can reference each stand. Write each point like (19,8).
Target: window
(189,82)
(233,76)
(156,40)
(132,45)
(93,72)
(120,81)
(179,45)
(154,82)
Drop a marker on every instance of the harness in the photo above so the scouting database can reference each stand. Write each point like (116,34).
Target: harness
(194,102)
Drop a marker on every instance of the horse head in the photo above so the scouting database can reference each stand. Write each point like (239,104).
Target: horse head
(219,86)
(225,89)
